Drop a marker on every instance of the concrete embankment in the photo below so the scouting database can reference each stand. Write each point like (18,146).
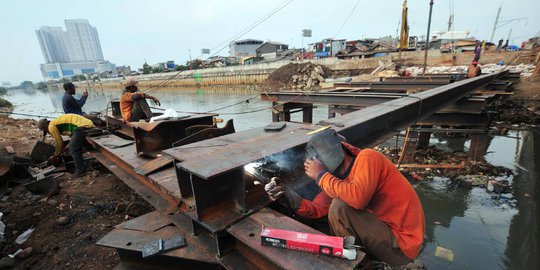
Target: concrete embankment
(257,73)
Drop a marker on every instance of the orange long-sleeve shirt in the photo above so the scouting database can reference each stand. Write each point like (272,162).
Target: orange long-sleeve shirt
(126,103)
(374,184)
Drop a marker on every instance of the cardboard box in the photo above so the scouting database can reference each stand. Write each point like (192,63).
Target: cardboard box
(307,242)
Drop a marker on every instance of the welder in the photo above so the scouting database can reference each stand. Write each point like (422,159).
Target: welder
(363,195)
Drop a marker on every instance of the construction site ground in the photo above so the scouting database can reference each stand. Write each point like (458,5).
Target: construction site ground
(66,226)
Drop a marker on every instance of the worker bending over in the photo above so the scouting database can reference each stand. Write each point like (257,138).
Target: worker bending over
(72,125)
(363,194)
(133,105)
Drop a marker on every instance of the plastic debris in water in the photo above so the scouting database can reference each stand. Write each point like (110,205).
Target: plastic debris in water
(444,253)
(24,236)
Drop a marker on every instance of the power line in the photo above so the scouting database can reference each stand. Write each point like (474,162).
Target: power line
(347,19)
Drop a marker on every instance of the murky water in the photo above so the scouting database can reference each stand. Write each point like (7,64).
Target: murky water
(248,111)
(483,232)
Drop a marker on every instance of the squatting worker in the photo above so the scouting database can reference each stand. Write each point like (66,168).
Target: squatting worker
(474,70)
(363,194)
(70,103)
(72,125)
(133,105)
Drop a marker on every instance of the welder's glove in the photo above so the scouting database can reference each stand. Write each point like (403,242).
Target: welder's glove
(284,195)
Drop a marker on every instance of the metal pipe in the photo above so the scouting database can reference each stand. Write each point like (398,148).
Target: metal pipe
(427,36)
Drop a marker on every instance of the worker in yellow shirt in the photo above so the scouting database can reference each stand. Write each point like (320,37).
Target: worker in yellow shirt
(72,125)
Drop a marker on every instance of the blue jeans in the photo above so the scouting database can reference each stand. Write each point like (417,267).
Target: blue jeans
(75,148)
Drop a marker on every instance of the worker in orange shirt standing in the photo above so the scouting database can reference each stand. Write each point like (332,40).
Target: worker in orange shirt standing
(364,195)
(133,105)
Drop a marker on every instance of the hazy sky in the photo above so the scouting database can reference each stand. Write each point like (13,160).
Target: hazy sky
(132,31)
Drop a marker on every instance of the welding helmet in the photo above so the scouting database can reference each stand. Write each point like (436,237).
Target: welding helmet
(326,147)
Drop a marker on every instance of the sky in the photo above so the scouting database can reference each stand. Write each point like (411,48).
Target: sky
(160,30)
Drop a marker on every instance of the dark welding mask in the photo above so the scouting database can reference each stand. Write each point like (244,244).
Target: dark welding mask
(326,147)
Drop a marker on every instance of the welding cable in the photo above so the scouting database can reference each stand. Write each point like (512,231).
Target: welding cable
(403,147)
(408,130)
(31,115)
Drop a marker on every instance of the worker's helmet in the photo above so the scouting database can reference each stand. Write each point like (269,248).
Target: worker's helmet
(326,147)
(130,82)
(42,124)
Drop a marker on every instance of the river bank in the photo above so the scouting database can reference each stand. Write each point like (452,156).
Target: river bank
(258,73)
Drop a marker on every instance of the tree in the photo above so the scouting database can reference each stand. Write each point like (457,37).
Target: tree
(157,69)
(3,91)
(78,78)
(180,68)
(41,85)
(146,68)
(27,84)
(64,80)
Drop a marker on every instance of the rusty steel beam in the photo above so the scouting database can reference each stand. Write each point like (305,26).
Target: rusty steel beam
(361,127)
(471,105)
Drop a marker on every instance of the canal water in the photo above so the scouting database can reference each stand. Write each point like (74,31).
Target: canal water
(482,230)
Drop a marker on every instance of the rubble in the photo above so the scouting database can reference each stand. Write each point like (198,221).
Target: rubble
(51,245)
(526,70)
(305,76)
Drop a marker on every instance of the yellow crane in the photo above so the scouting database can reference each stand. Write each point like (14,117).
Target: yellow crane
(404,35)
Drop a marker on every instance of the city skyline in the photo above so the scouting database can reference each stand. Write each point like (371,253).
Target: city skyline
(78,43)
(75,51)
(132,31)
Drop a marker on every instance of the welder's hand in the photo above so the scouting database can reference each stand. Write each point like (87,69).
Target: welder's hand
(313,168)
(274,189)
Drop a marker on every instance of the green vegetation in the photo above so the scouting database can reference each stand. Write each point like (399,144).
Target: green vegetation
(78,78)
(147,69)
(3,91)
(5,104)
(157,70)
(27,84)
(64,80)
(41,85)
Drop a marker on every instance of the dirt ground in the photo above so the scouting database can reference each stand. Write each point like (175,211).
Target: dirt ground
(66,226)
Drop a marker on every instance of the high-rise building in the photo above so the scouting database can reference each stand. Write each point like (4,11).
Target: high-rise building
(74,51)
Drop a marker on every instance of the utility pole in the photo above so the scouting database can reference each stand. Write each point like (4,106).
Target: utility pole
(495,25)
(509,33)
(427,36)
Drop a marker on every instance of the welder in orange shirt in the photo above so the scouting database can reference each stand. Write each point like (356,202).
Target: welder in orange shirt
(364,195)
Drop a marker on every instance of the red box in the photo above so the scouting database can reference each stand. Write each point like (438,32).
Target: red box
(308,242)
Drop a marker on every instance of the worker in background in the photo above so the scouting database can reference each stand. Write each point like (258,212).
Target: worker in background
(477,50)
(133,105)
(74,126)
(499,45)
(70,103)
(364,195)
(474,70)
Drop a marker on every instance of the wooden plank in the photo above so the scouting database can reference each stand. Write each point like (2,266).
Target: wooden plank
(248,232)
(154,165)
